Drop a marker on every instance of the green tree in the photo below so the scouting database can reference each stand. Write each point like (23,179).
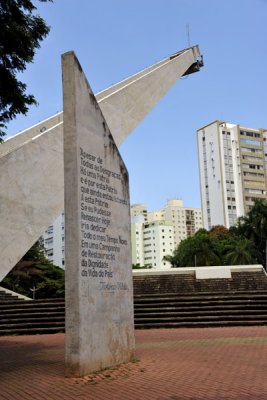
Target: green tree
(224,237)
(20,35)
(198,250)
(244,243)
(220,232)
(241,251)
(35,270)
(254,227)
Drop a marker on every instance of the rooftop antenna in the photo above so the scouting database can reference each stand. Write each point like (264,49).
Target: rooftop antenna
(188,35)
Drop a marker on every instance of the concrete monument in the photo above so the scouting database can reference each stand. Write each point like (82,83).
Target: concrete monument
(99,299)
(31,163)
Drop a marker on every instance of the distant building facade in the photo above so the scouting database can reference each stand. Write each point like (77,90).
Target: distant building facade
(186,221)
(158,242)
(137,239)
(161,232)
(232,166)
(53,241)
(153,234)
(139,209)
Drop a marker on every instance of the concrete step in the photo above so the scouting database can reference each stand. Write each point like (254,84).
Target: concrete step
(183,313)
(200,324)
(36,310)
(199,294)
(199,304)
(202,318)
(31,305)
(34,325)
(32,319)
(33,331)
(33,312)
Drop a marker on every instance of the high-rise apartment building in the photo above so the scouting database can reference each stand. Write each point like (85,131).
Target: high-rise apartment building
(232,165)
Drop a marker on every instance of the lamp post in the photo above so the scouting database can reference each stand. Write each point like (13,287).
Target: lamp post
(33,290)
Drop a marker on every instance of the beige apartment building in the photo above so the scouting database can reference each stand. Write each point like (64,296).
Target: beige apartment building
(185,220)
(180,222)
(232,166)
(139,209)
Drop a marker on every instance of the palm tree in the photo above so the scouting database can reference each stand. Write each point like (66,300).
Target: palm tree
(241,252)
(254,227)
(198,250)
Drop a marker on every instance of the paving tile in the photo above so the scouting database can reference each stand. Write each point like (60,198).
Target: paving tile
(172,364)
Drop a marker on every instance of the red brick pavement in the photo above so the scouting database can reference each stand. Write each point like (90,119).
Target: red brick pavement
(195,364)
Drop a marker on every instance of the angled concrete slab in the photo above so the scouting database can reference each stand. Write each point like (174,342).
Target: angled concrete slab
(25,217)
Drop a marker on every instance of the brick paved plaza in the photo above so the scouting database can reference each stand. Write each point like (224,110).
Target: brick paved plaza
(206,364)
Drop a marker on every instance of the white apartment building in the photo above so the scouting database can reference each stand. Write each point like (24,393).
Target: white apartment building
(137,239)
(185,220)
(232,165)
(181,221)
(53,241)
(151,242)
(158,242)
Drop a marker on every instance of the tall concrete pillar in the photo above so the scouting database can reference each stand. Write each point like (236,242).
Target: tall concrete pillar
(99,294)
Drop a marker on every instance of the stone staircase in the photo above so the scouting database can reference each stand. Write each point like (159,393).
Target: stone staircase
(187,283)
(180,300)
(6,295)
(20,317)
(204,309)
(160,301)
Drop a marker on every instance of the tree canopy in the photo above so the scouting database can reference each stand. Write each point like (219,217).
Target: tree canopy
(220,232)
(35,270)
(20,35)
(240,251)
(244,243)
(253,227)
(200,249)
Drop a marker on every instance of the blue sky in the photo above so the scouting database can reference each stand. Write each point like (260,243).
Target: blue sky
(114,39)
